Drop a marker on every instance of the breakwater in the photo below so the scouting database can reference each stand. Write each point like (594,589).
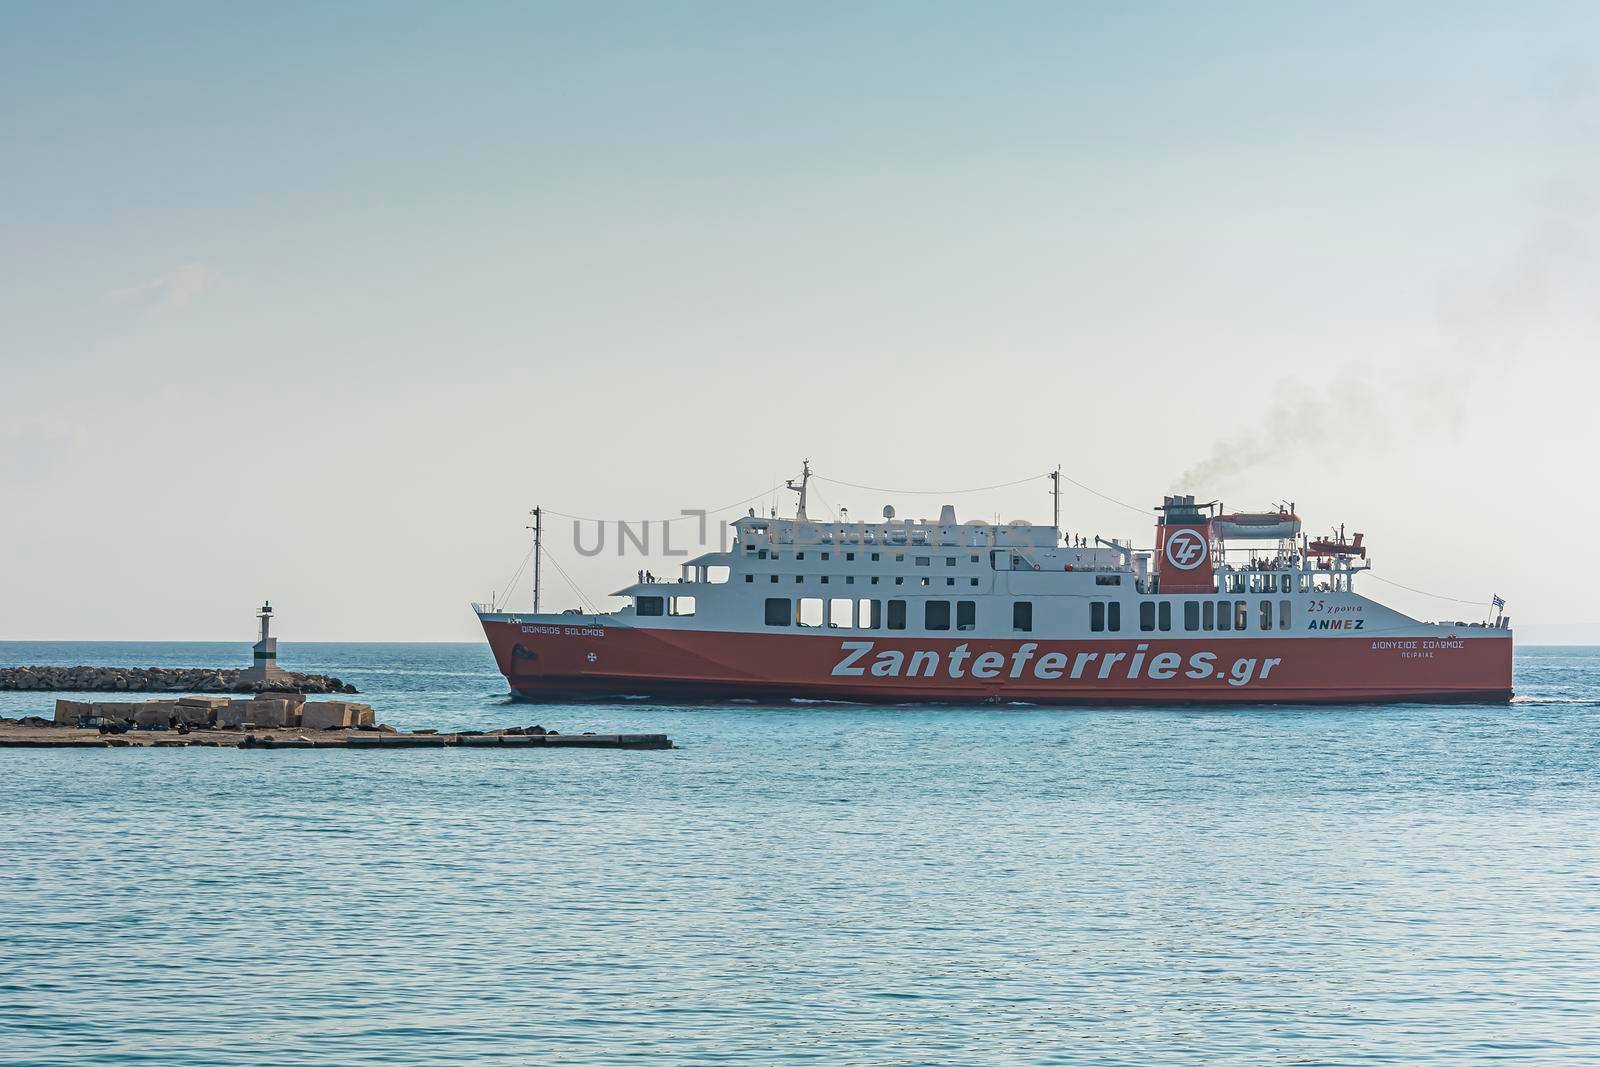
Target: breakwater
(319,731)
(161,680)
(368,741)
(270,720)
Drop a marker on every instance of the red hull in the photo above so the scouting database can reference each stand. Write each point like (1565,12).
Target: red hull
(548,661)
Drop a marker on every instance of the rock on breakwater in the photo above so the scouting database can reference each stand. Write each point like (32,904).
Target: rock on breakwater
(158,680)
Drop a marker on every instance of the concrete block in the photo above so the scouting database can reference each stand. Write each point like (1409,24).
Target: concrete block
(155,713)
(292,703)
(70,711)
(113,711)
(245,713)
(234,714)
(335,715)
(209,703)
(194,715)
(268,713)
(326,715)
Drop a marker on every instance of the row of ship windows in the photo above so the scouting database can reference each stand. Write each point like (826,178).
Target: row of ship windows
(1197,615)
(882,614)
(1104,616)
(899,557)
(850,579)
(1266,582)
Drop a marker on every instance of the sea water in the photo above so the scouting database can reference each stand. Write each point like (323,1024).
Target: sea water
(812,883)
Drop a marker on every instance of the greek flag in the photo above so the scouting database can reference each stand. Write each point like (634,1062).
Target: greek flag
(1498,601)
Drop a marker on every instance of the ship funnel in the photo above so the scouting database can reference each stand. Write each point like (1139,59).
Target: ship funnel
(1183,546)
(947,515)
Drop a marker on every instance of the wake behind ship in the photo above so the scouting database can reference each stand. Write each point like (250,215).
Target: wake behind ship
(1227,608)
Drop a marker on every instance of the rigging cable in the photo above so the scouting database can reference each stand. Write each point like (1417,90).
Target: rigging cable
(676,518)
(825,503)
(1102,496)
(510,588)
(582,596)
(983,489)
(1424,592)
(927,492)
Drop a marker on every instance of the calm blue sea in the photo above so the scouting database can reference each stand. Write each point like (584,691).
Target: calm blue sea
(820,884)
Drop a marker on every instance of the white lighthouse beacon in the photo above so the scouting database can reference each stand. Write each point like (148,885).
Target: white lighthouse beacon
(264,666)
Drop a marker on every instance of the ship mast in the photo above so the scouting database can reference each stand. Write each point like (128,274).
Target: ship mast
(1055,500)
(538,537)
(805,478)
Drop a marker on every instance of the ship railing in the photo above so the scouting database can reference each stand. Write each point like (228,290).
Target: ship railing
(1023,564)
(496,609)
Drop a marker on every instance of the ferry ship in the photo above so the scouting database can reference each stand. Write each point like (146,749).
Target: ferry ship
(1226,608)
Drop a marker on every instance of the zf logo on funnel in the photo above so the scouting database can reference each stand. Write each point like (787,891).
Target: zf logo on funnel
(1186,550)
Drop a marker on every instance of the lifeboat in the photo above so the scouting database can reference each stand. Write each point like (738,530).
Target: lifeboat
(1338,546)
(1256,526)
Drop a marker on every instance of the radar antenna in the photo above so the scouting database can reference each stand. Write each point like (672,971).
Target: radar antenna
(805,478)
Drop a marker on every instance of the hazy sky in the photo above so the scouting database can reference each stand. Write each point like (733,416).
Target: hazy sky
(313,302)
